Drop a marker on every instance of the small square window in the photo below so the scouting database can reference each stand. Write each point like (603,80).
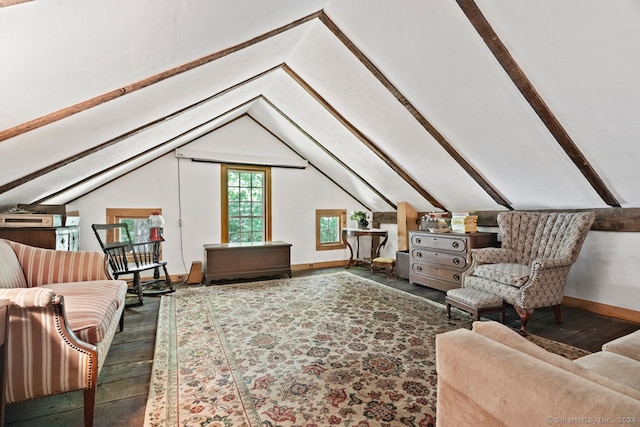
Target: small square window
(329,225)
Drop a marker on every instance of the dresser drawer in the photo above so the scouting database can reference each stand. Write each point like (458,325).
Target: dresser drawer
(455,244)
(427,270)
(443,258)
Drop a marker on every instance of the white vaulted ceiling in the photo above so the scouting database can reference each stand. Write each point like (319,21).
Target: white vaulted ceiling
(393,101)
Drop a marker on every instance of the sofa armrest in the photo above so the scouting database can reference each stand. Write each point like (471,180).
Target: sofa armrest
(42,266)
(39,344)
(25,298)
(478,377)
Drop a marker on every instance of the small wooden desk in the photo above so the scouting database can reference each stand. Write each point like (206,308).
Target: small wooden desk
(374,233)
(246,260)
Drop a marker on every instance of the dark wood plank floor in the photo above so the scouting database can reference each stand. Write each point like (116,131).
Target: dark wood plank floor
(124,381)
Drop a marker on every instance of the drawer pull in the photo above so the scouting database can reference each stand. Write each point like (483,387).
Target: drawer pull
(455,244)
(456,276)
(456,261)
(418,254)
(418,240)
(419,268)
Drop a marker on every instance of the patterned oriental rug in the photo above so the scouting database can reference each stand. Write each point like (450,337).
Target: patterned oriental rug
(325,350)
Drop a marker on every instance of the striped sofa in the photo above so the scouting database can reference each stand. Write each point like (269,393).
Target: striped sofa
(64,313)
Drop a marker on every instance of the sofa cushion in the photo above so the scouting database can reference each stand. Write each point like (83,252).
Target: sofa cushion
(614,366)
(628,345)
(509,274)
(90,306)
(505,335)
(11,275)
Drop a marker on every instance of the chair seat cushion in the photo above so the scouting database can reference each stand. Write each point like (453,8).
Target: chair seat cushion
(91,306)
(509,274)
(382,260)
(11,275)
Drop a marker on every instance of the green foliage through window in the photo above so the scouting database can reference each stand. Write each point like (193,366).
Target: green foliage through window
(246,203)
(138,228)
(329,229)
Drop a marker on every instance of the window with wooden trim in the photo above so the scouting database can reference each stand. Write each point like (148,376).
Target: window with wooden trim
(136,218)
(246,203)
(329,225)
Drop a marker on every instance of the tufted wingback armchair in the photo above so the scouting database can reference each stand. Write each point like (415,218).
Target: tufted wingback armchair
(530,270)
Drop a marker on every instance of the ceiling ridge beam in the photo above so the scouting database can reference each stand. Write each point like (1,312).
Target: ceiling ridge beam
(111,95)
(424,122)
(333,156)
(531,95)
(363,138)
(120,138)
(141,154)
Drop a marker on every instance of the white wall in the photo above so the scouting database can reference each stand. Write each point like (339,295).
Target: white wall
(191,191)
(605,272)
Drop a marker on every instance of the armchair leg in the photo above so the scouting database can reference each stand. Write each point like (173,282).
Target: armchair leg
(89,405)
(557,313)
(524,318)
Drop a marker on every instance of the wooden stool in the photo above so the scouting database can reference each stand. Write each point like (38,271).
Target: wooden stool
(383,263)
(474,301)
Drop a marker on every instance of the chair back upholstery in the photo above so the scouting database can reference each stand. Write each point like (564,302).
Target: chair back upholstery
(535,235)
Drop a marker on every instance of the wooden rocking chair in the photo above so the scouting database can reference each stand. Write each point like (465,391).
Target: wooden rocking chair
(127,257)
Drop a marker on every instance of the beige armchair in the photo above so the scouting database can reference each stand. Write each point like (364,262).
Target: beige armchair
(530,270)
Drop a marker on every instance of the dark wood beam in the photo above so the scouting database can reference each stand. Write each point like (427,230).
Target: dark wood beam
(156,147)
(120,138)
(5,3)
(607,219)
(420,118)
(363,138)
(323,148)
(109,96)
(519,78)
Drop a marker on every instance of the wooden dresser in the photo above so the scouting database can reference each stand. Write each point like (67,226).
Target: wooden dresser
(60,238)
(224,261)
(438,260)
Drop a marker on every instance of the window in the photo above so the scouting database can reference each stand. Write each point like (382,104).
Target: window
(329,224)
(136,218)
(138,221)
(246,204)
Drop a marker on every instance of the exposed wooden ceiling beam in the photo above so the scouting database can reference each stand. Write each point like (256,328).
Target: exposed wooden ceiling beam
(519,78)
(363,138)
(424,122)
(324,149)
(607,219)
(111,95)
(151,150)
(5,3)
(120,138)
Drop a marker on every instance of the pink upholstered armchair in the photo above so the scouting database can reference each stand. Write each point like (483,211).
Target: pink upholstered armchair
(64,312)
(530,270)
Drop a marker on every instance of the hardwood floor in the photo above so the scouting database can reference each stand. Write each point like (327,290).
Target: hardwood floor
(124,381)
